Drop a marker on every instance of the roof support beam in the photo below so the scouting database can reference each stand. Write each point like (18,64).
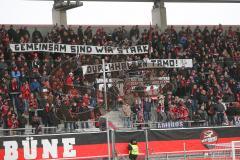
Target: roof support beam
(159,14)
(59,11)
(59,17)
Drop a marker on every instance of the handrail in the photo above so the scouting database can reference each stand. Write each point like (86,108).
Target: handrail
(19,129)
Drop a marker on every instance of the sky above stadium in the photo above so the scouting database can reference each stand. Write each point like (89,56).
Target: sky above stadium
(34,12)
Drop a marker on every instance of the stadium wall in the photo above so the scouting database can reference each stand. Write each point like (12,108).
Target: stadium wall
(95,145)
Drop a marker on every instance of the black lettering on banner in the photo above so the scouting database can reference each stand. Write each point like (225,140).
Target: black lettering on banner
(117,66)
(40,47)
(94,69)
(16,47)
(159,63)
(100,68)
(50,47)
(126,50)
(119,50)
(145,49)
(73,49)
(36,46)
(111,67)
(89,49)
(45,46)
(109,50)
(176,61)
(29,46)
(63,48)
(139,49)
(99,49)
(133,49)
(165,63)
(171,63)
(56,48)
(89,69)
(106,68)
(82,49)
(124,66)
(153,62)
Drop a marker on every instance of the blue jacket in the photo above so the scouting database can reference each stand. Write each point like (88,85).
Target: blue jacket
(35,86)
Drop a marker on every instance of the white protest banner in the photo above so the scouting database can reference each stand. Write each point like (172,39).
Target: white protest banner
(109,80)
(151,63)
(77,49)
(152,81)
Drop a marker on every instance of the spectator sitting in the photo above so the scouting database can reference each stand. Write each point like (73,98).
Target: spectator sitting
(35,86)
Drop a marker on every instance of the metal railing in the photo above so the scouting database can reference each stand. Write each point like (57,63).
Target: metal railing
(28,131)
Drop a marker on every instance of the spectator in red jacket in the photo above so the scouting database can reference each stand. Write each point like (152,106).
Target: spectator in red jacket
(33,106)
(25,91)
(69,80)
(12,121)
(183,111)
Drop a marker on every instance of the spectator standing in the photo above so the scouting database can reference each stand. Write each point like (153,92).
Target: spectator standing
(126,108)
(211,111)
(25,91)
(33,106)
(48,116)
(84,115)
(147,109)
(220,111)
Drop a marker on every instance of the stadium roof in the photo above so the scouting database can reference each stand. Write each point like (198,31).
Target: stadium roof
(175,1)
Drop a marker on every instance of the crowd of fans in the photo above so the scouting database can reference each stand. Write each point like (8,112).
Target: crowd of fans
(52,86)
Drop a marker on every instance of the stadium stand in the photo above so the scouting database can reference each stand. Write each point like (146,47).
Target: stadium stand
(50,87)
